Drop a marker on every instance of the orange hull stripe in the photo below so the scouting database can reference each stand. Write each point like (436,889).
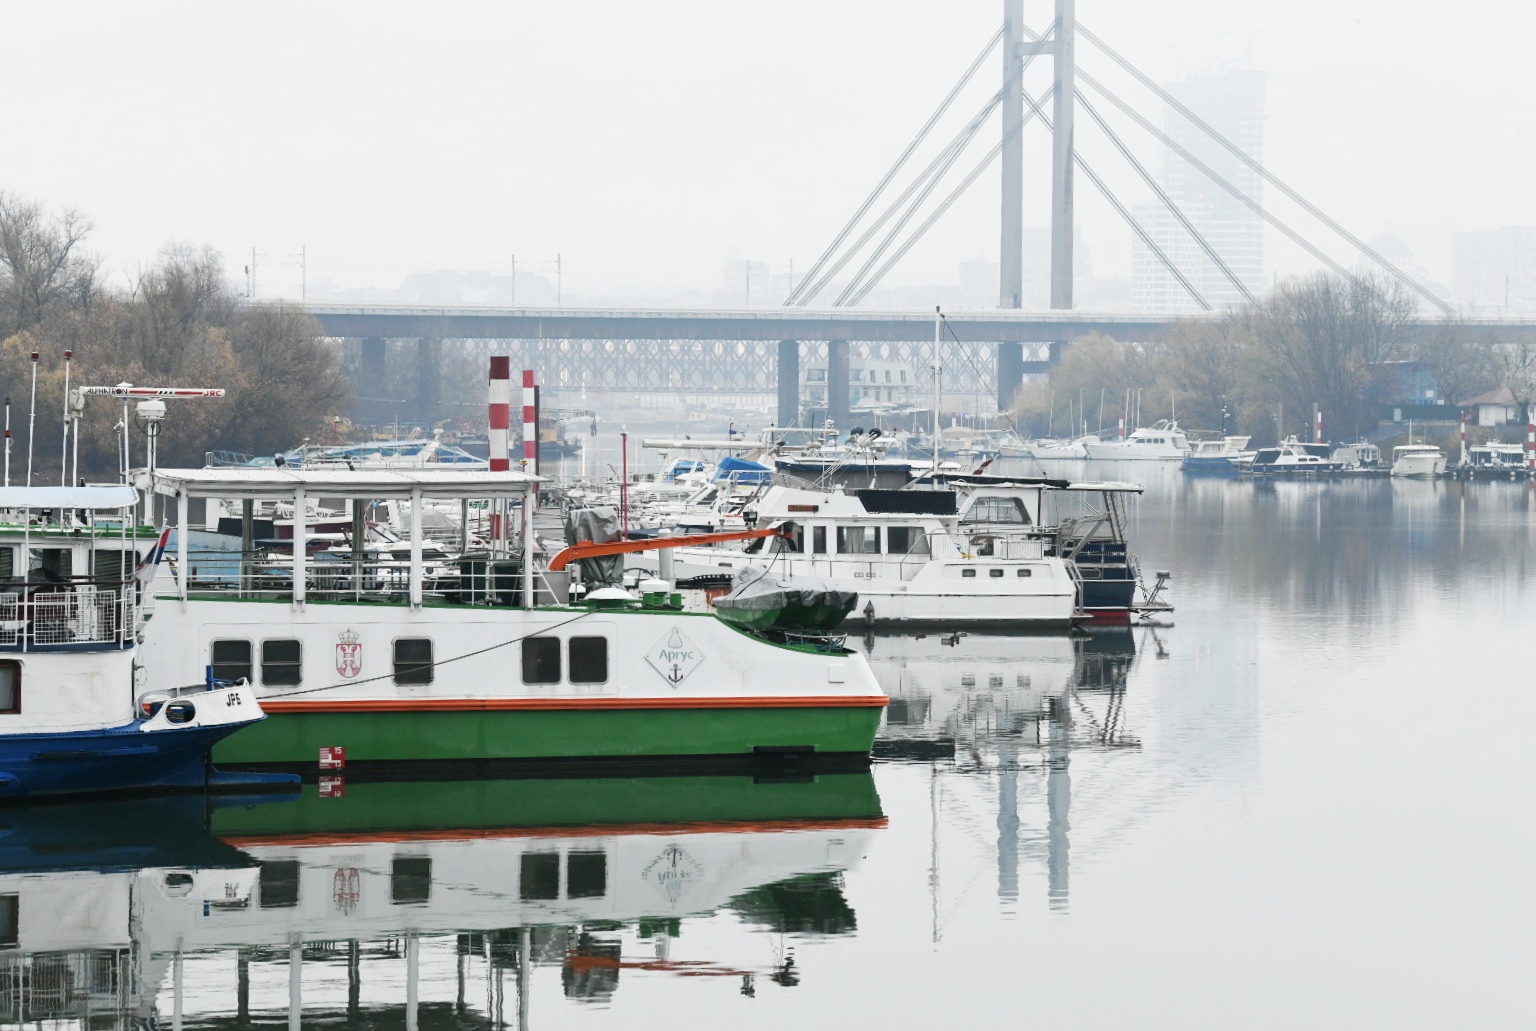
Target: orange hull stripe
(569,703)
(599,831)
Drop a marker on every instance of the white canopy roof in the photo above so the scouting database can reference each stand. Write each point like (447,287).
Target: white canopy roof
(367,485)
(114,496)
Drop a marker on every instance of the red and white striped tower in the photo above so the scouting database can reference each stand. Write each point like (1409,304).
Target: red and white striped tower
(1463,438)
(1317,425)
(499,396)
(530,426)
(1121,429)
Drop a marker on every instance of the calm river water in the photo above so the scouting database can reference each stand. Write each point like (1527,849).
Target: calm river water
(1304,803)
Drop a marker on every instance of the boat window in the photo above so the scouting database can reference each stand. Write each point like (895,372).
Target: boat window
(589,660)
(1026,572)
(231,660)
(586,875)
(539,875)
(541,660)
(819,540)
(906,540)
(281,663)
(10,921)
(7,563)
(994,572)
(410,880)
(858,540)
(967,572)
(413,660)
(10,687)
(50,565)
(793,539)
(998,510)
(279,884)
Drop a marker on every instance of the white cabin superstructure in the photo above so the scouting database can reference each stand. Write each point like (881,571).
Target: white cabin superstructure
(908,555)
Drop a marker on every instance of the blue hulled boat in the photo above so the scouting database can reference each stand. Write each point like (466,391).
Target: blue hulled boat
(72,572)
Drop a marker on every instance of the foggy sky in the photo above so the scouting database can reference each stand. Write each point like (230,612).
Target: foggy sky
(646,142)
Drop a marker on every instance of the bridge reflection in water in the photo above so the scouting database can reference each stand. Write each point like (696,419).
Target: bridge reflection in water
(1006,707)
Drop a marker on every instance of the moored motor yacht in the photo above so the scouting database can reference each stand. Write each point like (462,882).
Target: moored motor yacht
(907,553)
(1418,460)
(1163,441)
(1293,458)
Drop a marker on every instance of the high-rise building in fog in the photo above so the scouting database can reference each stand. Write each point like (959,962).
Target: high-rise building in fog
(1233,104)
(1495,269)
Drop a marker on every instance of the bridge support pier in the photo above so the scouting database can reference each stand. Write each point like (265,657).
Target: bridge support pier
(372,378)
(789,383)
(837,384)
(429,379)
(1010,373)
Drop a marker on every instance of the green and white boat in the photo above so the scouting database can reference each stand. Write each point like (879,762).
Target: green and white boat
(484,667)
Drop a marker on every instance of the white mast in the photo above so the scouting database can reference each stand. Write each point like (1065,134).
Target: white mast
(938,372)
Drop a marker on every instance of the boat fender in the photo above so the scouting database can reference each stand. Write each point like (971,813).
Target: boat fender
(869,611)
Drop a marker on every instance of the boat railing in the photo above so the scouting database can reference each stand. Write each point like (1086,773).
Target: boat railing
(1007,544)
(72,612)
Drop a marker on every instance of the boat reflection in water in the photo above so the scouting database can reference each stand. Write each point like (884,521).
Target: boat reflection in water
(1002,707)
(443,898)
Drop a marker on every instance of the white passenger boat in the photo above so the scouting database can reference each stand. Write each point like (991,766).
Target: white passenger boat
(488,665)
(1161,442)
(1418,460)
(909,554)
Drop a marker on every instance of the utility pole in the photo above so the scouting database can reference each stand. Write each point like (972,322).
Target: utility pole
(1064,104)
(559,279)
(514,279)
(748,302)
(1011,256)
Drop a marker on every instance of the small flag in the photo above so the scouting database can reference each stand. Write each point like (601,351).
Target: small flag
(146,569)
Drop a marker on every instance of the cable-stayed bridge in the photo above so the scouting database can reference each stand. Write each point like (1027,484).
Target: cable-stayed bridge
(761,350)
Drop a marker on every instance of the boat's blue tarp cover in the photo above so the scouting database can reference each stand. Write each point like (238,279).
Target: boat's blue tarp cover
(742,470)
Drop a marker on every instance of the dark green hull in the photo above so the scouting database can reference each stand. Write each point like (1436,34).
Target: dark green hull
(291,738)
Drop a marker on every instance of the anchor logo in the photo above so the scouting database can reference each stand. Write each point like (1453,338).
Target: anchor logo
(674,657)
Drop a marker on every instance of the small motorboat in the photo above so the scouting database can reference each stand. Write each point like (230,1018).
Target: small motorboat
(768,604)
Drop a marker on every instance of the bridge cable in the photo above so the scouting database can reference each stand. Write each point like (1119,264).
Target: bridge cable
(1219,180)
(944,206)
(917,202)
(1034,110)
(936,170)
(1173,208)
(925,181)
(1130,219)
(1270,177)
(916,140)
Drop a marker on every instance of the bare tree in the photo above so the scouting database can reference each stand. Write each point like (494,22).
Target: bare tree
(42,263)
(1201,364)
(288,379)
(1323,339)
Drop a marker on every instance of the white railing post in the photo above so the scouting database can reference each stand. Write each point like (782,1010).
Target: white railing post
(183,507)
(300,545)
(416,563)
